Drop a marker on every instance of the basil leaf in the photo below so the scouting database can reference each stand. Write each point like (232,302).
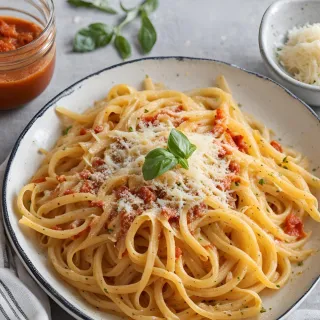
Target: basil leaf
(179,145)
(125,9)
(96,35)
(150,5)
(147,34)
(131,15)
(102,5)
(183,163)
(123,46)
(157,162)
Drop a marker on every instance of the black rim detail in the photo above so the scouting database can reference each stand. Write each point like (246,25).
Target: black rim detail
(57,297)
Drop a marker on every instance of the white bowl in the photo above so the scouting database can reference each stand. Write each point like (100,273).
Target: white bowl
(292,120)
(280,17)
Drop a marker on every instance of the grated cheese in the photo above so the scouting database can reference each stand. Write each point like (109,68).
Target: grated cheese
(300,56)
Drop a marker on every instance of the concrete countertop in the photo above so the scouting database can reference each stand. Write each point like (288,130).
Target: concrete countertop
(223,29)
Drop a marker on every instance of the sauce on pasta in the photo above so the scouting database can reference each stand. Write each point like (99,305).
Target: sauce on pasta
(193,243)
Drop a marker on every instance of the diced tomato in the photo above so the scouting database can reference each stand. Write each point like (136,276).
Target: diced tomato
(170,214)
(219,125)
(96,162)
(236,141)
(146,194)
(225,184)
(121,192)
(294,226)
(276,145)
(234,167)
(126,220)
(86,187)
(150,119)
(56,228)
(83,131)
(85,174)
(178,252)
(39,180)
(61,178)
(98,129)
(228,135)
(179,108)
(68,191)
(220,115)
(98,204)
(196,212)
(239,141)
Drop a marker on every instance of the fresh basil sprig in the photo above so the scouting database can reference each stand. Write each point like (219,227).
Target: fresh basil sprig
(96,35)
(160,160)
(150,6)
(147,33)
(157,162)
(102,5)
(99,35)
(179,145)
(123,46)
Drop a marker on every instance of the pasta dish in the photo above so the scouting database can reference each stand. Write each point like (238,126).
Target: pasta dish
(158,204)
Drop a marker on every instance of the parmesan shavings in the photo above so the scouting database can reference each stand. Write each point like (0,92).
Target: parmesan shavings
(300,56)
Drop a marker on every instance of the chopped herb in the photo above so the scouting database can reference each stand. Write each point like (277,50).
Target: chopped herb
(285,160)
(261,181)
(314,169)
(285,167)
(263,310)
(237,183)
(300,263)
(130,129)
(238,278)
(277,286)
(105,290)
(66,130)
(146,110)
(239,105)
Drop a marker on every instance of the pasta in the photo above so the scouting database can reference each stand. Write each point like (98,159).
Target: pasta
(199,241)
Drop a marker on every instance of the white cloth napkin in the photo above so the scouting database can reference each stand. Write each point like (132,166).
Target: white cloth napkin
(22,299)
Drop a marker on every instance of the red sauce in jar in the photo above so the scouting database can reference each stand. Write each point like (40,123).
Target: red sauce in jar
(23,83)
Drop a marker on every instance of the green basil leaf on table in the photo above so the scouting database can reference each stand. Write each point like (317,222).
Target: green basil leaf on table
(126,9)
(150,5)
(131,15)
(157,162)
(147,34)
(96,35)
(123,46)
(102,5)
(179,145)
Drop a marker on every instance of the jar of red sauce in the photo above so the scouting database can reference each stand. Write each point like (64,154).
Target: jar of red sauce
(27,50)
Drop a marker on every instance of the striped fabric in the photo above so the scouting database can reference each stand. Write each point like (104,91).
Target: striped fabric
(20,296)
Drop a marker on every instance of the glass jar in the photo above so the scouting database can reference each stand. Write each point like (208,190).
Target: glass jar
(26,71)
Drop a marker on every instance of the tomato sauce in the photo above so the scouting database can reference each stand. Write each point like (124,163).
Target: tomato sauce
(26,80)
(294,226)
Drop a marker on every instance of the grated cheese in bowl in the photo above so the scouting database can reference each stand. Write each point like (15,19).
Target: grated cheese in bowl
(300,55)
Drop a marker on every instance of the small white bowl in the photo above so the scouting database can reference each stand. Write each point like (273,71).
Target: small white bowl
(280,17)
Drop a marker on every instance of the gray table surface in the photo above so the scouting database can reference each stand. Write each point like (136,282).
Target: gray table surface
(222,29)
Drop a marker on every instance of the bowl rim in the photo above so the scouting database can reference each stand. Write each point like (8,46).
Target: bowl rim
(58,297)
(266,57)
